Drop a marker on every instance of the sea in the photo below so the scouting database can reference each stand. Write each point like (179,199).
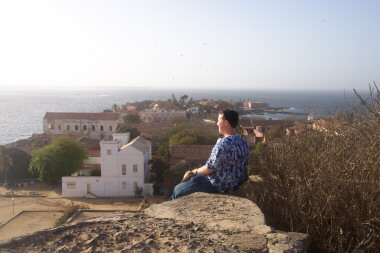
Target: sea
(22,111)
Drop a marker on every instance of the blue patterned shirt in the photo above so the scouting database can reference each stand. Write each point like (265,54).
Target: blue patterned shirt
(229,160)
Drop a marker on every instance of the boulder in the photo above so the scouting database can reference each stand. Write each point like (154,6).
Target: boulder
(198,222)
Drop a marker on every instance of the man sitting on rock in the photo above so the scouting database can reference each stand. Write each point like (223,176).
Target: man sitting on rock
(227,166)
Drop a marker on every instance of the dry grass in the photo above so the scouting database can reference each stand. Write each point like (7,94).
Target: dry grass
(326,183)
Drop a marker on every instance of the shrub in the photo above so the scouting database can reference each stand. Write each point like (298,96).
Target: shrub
(66,215)
(20,164)
(173,176)
(325,184)
(70,211)
(134,132)
(37,143)
(61,158)
(138,191)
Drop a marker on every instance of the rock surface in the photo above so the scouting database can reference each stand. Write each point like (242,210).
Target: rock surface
(199,222)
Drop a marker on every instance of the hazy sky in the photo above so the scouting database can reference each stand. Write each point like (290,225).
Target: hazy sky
(190,44)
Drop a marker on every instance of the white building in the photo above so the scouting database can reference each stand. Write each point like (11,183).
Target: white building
(124,169)
(94,125)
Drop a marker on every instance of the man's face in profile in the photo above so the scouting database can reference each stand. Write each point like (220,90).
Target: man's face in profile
(221,124)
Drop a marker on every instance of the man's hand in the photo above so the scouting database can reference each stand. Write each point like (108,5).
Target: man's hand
(203,170)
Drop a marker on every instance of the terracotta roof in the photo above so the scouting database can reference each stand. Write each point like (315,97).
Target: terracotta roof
(191,152)
(82,115)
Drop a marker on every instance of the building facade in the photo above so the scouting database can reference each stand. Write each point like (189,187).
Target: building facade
(125,171)
(94,125)
(160,115)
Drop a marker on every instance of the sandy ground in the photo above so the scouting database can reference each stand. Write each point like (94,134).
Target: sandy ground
(49,198)
(28,222)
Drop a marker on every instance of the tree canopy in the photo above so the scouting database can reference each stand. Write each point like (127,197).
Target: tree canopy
(134,132)
(190,134)
(174,175)
(62,157)
(20,164)
(132,118)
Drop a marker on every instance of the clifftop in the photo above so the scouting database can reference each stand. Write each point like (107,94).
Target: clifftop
(199,222)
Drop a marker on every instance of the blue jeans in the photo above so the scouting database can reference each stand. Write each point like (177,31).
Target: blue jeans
(197,183)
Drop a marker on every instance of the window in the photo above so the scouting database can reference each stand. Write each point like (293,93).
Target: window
(124,185)
(93,128)
(68,127)
(84,127)
(59,127)
(51,126)
(134,167)
(110,128)
(101,128)
(135,185)
(70,186)
(76,127)
(108,151)
(124,169)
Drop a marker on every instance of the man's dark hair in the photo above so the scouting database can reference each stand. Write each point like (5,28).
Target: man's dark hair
(231,116)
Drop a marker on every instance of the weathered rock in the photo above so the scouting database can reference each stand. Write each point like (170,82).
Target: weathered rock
(196,223)
(217,211)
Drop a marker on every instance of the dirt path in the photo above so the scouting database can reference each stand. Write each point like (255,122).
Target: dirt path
(49,198)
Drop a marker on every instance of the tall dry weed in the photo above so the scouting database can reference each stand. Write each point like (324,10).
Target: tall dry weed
(326,183)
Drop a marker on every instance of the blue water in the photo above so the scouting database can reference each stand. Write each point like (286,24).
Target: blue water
(22,112)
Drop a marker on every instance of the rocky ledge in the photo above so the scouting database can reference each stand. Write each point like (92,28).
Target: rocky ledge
(199,222)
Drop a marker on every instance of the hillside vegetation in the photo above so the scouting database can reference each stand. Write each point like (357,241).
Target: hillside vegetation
(326,183)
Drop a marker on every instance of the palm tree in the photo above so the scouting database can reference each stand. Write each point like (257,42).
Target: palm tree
(114,107)
(5,161)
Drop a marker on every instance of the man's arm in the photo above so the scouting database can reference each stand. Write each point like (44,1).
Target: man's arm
(203,170)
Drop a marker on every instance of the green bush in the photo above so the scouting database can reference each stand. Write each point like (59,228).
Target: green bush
(37,143)
(134,132)
(173,176)
(66,215)
(20,164)
(61,158)
(188,134)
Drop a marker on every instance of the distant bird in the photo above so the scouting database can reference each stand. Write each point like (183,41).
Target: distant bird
(323,20)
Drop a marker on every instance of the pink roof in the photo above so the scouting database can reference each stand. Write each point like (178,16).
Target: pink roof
(82,115)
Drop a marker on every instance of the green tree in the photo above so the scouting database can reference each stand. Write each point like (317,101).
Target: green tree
(114,107)
(193,136)
(62,157)
(182,100)
(174,176)
(163,152)
(132,118)
(134,132)
(159,167)
(5,161)
(19,168)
